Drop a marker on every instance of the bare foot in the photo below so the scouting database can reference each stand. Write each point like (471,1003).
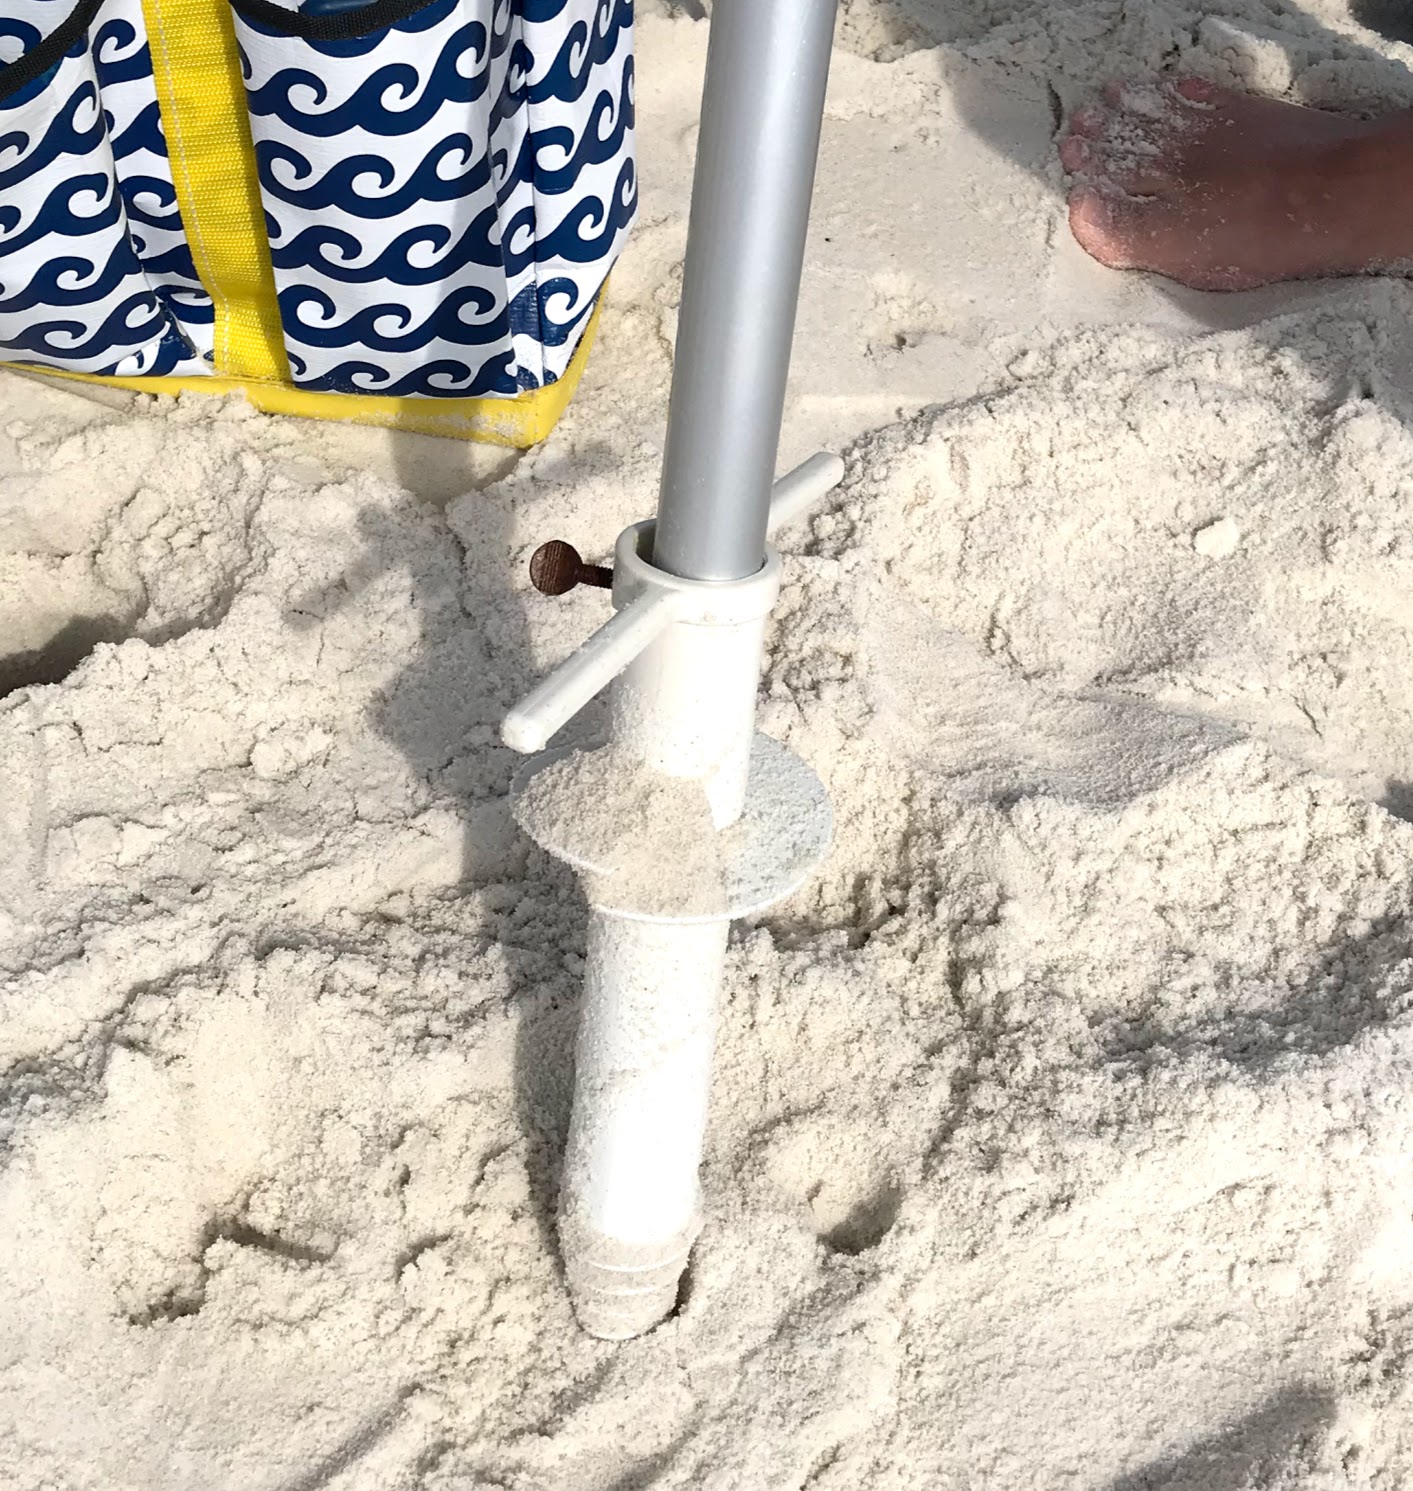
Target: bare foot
(1224,191)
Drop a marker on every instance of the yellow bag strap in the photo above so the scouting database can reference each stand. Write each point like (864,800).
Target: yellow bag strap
(197,69)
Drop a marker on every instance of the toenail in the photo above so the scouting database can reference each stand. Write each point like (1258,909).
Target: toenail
(1195,90)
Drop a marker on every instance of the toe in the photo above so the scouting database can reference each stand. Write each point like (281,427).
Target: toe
(1076,153)
(1102,225)
(1196,90)
(1152,101)
(1126,234)
(1135,181)
(1091,121)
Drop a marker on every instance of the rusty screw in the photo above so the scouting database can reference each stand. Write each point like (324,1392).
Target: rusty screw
(556,568)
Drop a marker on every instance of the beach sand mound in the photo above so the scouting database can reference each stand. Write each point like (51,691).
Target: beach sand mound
(1063,1126)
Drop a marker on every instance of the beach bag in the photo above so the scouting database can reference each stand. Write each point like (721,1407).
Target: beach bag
(400,212)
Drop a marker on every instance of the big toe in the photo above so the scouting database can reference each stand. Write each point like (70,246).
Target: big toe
(1105,227)
(1131,233)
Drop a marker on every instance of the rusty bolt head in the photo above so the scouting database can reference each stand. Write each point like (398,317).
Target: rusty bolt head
(556,568)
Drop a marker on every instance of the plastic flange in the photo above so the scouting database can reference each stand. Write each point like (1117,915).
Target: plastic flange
(782,836)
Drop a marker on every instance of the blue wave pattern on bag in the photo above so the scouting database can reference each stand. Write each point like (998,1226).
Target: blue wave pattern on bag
(73,294)
(445,196)
(25,23)
(124,67)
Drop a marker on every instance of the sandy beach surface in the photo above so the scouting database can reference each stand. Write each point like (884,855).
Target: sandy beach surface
(1062,1132)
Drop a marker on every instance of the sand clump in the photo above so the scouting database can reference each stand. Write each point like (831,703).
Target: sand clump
(1062,1125)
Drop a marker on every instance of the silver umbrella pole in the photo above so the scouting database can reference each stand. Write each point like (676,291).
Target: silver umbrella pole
(689,818)
(761,112)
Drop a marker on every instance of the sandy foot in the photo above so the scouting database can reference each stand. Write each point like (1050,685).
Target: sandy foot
(1224,191)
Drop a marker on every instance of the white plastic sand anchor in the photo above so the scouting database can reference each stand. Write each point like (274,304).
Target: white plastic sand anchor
(688,818)
(733,823)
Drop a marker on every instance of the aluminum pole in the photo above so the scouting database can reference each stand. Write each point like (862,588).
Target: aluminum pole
(762,107)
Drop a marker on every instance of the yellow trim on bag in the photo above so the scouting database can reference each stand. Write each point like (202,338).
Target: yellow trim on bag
(519,422)
(196,66)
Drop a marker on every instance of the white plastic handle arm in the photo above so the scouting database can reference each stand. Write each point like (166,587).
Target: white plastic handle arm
(798,490)
(565,691)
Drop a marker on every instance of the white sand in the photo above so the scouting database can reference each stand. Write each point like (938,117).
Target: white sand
(1063,1134)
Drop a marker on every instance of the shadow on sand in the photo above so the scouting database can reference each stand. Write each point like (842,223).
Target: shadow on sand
(1350,987)
(442,710)
(1278,1440)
